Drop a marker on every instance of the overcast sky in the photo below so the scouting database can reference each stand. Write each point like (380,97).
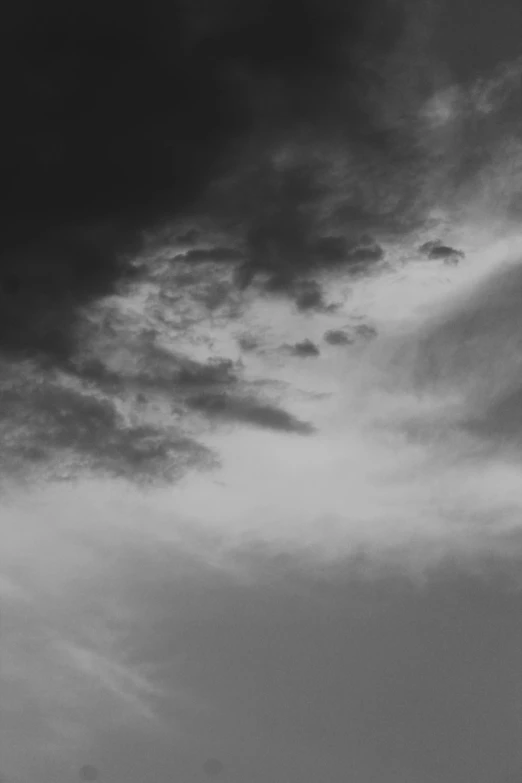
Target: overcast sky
(260,392)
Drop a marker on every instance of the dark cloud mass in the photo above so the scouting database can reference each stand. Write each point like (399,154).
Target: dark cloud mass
(214,254)
(275,139)
(260,497)
(119,117)
(133,424)
(52,429)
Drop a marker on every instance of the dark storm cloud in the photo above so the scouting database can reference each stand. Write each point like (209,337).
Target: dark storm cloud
(42,284)
(189,237)
(282,213)
(491,35)
(117,116)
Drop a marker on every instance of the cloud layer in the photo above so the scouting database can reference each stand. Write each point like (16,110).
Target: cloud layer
(260,391)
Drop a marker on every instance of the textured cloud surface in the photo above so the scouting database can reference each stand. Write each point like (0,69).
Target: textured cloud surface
(260,393)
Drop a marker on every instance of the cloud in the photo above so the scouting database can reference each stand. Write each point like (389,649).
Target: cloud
(247,342)
(337,337)
(366,330)
(300,212)
(43,283)
(492,38)
(131,405)
(365,254)
(473,353)
(183,174)
(217,372)
(435,249)
(310,297)
(249,411)
(304,349)
(147,631)
(54,430)
(119,121)
(288,140)
(471,345)
(213,254)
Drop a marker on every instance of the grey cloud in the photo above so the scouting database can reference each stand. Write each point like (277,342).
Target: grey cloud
(123,119)
(337,337)
(306,294)
(304,349)
(330,249)
(43,283)
(218,254)
(53,430)
(281,235)
(366,330)
(472,353)
(310,297)
(115,130)
(498,422)
(189,237)
(157,371)
(288,228)
(341,337)
(244,410)
(476,343)
(94,418)
(365,254)
(435,249)
(360,254)
(247,342)
(216,372)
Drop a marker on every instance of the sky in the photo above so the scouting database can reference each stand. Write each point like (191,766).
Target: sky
(260,307)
